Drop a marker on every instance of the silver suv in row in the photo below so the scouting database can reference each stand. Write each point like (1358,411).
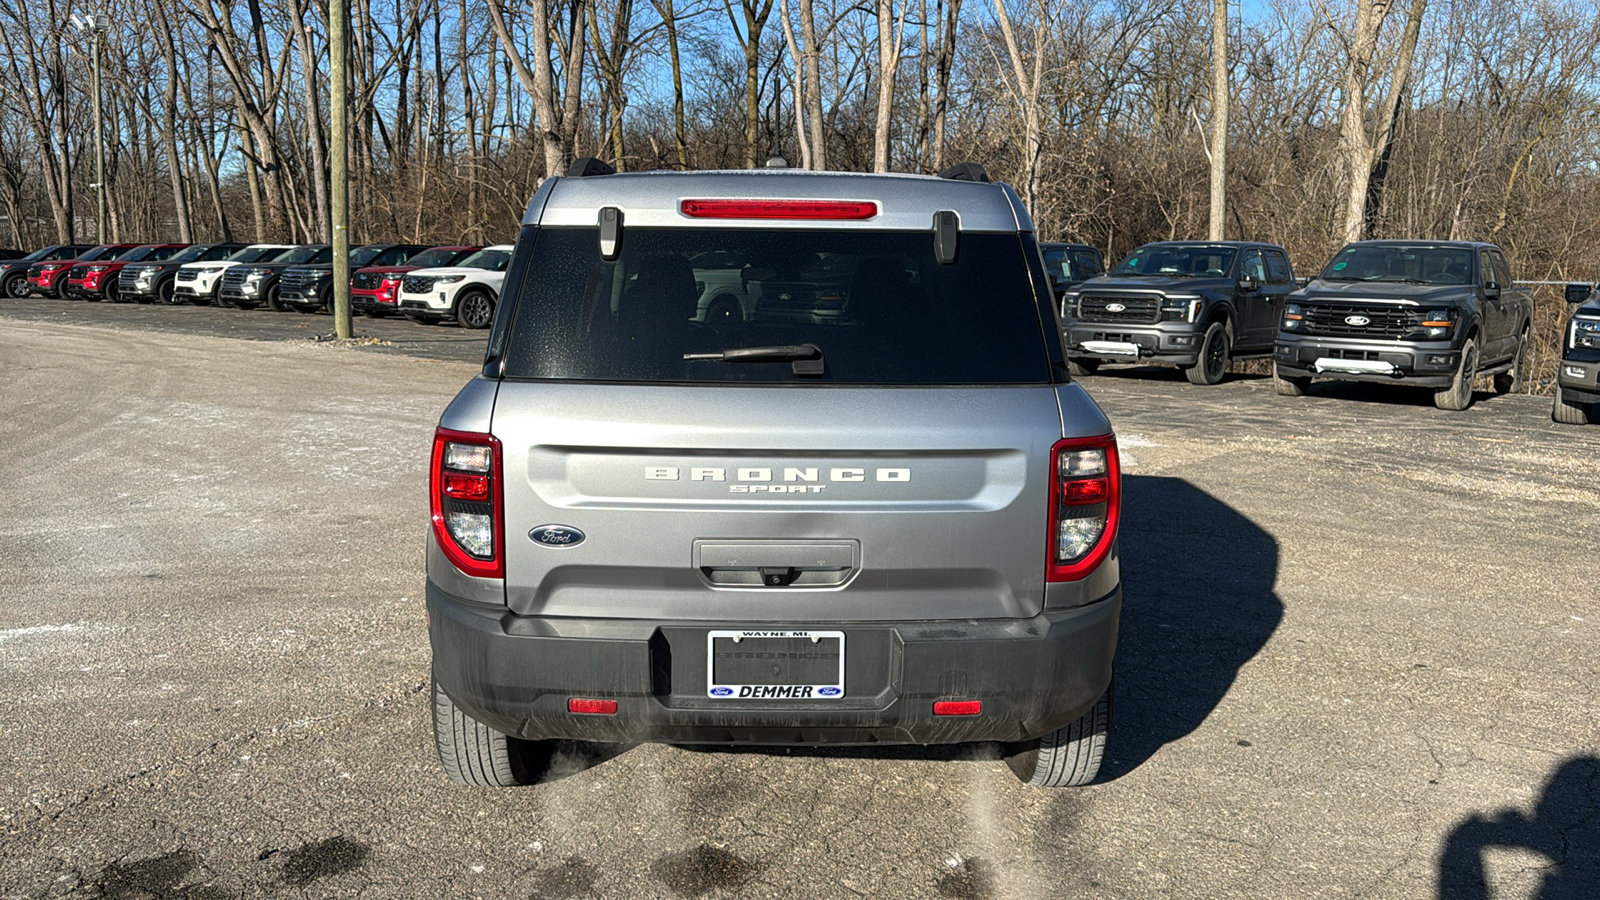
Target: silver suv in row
(896,523)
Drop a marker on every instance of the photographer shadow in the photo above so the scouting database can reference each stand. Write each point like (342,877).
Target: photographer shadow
(1198,580)
(1564,827)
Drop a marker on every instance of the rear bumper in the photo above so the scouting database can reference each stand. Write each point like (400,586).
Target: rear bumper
(1431,365)
(516,674)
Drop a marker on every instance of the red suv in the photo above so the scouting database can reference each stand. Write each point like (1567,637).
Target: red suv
(50,278)
(375,290)
(98,279)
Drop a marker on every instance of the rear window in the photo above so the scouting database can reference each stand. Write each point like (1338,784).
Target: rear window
(877,305)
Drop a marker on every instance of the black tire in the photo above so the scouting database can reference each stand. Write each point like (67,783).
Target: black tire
(1458,396)
(1510,381)
(1069,756)
(724,311)
(1568,413)
(1289,385)
(17,286)
(273,303)
(167,291)
(475,310)
(112,293)
(1215,350)
(473,753)
(1082,367)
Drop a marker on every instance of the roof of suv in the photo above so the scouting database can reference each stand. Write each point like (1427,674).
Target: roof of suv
(905,202)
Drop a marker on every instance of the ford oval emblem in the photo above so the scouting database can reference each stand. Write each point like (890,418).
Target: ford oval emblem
(722,692)
(829,691)
(1357,321)
(559,537)
(1115,307)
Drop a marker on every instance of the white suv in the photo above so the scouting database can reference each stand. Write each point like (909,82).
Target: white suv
(198,282)
(467,292)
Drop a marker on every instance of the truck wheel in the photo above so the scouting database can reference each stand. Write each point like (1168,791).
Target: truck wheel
(1510,381)
(475,754)
(273,303)
(1458,395)
(1212,366)
(475,310)
(1288,385)
(167,291)
(1568,413)
(1082,367)
(1069,756)
(17,286)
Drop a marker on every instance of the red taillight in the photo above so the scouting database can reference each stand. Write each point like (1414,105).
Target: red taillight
(957,707)
(467,502)
(852,210)
(592,707)
(1085,505)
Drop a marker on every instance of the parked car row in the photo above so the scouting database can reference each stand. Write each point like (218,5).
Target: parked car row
(425,284)
(1434,314)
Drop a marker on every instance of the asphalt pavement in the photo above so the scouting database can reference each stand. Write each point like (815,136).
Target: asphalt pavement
(1357,655)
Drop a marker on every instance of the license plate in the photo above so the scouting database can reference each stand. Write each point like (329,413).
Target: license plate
(775,665)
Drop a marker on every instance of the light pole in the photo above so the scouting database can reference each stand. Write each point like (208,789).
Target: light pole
(95,26)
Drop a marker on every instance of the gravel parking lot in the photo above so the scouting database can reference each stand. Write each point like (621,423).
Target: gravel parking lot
(1357,655)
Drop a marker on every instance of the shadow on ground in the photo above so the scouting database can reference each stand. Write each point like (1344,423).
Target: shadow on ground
(1564,828)
(1198,603)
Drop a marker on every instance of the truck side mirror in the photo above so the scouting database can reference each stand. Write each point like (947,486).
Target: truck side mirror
(1248,283)
(1577,293)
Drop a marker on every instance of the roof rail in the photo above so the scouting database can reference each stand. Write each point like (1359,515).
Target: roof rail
(967,171)
(584,166)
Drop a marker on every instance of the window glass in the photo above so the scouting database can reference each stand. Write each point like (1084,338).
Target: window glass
(1253,266)
(438,256)
(1086,264)
(1179,261)
(1278,271)
(1501,270)
(1415,264)
(877,305)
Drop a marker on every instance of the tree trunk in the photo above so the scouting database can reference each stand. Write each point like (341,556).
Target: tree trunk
(813,65)
(1355,152)
(888,64)
(1399,87)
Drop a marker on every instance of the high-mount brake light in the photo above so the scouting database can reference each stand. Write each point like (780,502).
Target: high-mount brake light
(1085,505)
(835,210)
(467,502)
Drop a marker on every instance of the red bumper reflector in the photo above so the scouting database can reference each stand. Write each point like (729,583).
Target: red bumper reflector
(957,707)
(592,707)
(779,209)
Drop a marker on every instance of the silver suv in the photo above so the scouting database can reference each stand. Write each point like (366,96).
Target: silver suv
(895,524)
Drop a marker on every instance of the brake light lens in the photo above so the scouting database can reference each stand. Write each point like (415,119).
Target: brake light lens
(957,707)
(1085,505)
(836,210)
(467,502)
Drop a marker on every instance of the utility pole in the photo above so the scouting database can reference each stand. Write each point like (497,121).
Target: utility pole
(1219,118)
(339,164)
(95,26)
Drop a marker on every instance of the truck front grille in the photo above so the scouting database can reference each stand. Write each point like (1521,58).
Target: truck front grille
(417,284)
(1144,309)
(234,276)
(76,273)
(299,280)
(366,281)
(188,275)
(1382,322)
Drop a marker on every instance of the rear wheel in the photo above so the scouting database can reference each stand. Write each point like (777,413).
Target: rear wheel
(1289,386)
(1083,366)
(1069,756)
(475,309)
(1510,381)
(1568,413)
(1212,366)
(473,753)
(1458,395)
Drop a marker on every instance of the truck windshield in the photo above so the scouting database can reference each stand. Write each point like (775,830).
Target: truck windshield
(679,303)
(1178,261)
(1420,264)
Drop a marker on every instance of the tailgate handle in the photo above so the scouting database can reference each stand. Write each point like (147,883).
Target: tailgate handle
(777,563)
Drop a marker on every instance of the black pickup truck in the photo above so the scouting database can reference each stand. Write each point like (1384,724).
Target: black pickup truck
(1578,373)
(1434,314)
(1196,305)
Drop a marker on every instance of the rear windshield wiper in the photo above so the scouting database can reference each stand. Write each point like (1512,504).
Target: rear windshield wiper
(806,358)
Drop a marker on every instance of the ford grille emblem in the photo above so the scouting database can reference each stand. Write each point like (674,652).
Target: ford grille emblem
(558,536)
(722,692)
(1115,307)
(1357,321)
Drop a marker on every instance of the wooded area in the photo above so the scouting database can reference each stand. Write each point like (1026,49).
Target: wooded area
(1472,119)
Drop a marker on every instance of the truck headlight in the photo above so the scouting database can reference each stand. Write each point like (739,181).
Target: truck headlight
(1436,323)
(1585,333)
(1294,319)
(448,279)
